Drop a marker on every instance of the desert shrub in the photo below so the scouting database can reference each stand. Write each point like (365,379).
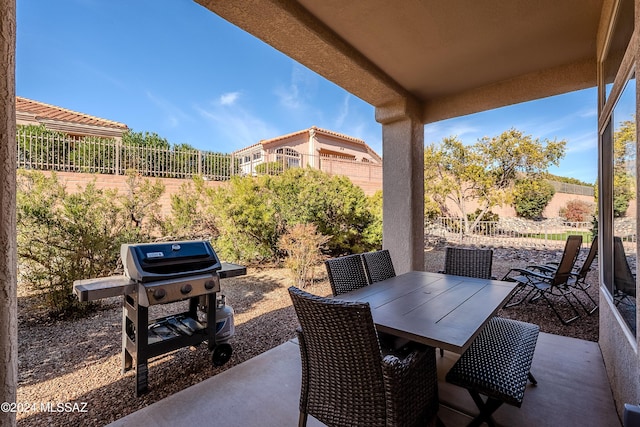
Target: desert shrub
(530,197)
(372,234)
(247,218)
(192,215)
(64,237)
(333,203)
(270,168)
(302,244)
(577,211)
(253,212)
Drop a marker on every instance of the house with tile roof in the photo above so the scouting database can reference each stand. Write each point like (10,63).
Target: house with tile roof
(73,123)
(314,147)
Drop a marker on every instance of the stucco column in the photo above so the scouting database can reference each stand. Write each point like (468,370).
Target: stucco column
(403,184)
(8,294)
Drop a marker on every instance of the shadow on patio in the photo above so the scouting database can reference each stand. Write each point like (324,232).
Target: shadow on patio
(572,390)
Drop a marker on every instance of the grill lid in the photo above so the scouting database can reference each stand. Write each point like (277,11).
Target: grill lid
(147,262)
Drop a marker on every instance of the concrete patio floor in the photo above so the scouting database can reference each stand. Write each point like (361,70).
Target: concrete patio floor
(572,390)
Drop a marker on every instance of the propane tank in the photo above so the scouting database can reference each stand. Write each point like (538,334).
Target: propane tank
(225,326)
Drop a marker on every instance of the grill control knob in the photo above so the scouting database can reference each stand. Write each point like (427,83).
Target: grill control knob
(159,294)
(186,289)
(209,284)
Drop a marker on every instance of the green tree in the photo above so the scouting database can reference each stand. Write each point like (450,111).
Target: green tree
(624,161)
(531,196)
(484,172)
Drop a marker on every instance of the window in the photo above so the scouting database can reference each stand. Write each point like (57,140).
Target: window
(623,124)
(617,176)
(288,156)
(617,43)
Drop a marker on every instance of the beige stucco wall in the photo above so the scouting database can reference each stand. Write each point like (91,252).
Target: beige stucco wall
(552,210)
(619,351)
(78,181)
(619,348)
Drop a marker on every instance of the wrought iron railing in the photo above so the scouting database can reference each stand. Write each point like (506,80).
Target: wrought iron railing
(504,234)
(110,156)
(58,152)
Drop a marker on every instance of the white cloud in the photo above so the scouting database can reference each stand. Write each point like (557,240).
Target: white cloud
(586,142)
(343,112)
(174,115)
(302,87)
(436,132)
(229,98)
(236,126)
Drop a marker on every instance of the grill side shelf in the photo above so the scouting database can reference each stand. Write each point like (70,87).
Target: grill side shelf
(113,286)
(103,287)
(231,270)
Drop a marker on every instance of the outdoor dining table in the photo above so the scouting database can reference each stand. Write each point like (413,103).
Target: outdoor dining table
(438,310)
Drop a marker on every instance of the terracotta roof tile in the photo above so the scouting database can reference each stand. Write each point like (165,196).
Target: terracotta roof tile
(51,112)
(317,129)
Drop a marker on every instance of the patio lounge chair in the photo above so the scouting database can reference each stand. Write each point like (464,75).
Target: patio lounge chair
(545,283)
(378,265)
(579,275)
(578,278)
(346,378)
(623,279)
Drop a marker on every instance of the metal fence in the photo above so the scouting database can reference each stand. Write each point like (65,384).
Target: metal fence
(564,187)
(110,156)
(56,152)
(498,234)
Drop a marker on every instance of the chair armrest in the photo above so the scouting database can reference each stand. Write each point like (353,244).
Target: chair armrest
(529,275)
(541,269)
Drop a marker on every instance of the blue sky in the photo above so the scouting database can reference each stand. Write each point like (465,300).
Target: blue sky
(174,68)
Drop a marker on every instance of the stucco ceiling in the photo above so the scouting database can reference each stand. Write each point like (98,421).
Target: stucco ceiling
(450,57)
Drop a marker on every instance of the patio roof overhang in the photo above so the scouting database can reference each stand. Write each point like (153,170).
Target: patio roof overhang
(445,58)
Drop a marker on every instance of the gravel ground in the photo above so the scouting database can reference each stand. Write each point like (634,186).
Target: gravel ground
(80,361)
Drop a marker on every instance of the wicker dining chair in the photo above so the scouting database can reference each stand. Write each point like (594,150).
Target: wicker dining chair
(346,378)
(468,262)
(346,273)
(378,265)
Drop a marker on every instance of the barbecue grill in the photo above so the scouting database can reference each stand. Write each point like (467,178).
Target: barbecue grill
(164,273)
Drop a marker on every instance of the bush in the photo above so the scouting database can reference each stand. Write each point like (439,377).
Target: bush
(192,216)
(253,212)
(64,237)
(302,244)
(531,197)
(577,211)
(270,168)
